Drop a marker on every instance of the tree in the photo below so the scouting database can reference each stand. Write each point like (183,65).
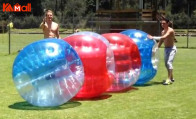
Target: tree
(74,11)
(71,11)
(90,6)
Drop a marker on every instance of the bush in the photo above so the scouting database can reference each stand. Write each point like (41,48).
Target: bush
(193,18)
(27,22)
(183,21)
(3,26)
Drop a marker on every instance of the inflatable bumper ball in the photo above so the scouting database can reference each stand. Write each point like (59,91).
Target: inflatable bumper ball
(92,52)
(127,61)
(109,57)
(149,54)
(48,73)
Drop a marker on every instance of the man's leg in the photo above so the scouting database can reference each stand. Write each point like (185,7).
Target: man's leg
(169,80)
(169,57)
(170,74)
(170,63)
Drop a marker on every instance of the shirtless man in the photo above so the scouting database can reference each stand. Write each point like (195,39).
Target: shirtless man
(50,28)
(168,38)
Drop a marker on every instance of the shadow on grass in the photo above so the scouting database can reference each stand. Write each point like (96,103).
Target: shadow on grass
(28,106)
(124,90)
(105,95)
(150,84)
(101,97)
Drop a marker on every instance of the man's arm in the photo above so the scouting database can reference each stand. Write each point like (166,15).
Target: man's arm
(159,38)
(169,32)
(160,43)
(42,25)
(57,32)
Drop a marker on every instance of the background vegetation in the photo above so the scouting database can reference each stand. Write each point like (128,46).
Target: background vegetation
(78,12)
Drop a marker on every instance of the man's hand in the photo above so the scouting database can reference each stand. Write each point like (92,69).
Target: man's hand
(43,24)
(44,20)
(150,37)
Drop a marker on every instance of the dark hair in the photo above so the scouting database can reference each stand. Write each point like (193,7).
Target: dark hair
(165,19)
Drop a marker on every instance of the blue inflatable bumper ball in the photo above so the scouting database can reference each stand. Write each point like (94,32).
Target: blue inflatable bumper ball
(149,54)
(48,73)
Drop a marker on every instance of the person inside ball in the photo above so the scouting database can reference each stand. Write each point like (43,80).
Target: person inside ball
(50,28)
(168,38)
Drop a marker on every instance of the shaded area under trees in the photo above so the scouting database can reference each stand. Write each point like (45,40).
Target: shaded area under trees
(76,13)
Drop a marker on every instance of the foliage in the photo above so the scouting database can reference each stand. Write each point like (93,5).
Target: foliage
(70,12)
(90,6)
(182,13)
(3,26)
(27,22)
(193,17)
(180,20)
(178,7)
(74,10)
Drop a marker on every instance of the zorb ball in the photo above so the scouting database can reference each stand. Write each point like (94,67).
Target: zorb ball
(127,61)
(149,54)
(92,52)
(48,72)
(109,53)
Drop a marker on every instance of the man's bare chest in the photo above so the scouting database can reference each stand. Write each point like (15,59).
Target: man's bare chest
(51,28)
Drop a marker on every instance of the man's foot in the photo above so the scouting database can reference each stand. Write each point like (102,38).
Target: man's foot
(167,82)
(172,80)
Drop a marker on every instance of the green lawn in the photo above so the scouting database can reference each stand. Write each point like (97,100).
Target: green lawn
(22,37)
(182,42)
(151,101)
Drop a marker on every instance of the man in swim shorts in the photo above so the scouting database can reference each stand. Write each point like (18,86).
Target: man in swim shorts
(168,38)
(50,28)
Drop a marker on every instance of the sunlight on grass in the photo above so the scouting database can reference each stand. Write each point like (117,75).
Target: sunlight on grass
(151,101)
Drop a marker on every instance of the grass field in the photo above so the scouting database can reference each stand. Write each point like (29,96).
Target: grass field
(22,37)
(19,39)
(151,101)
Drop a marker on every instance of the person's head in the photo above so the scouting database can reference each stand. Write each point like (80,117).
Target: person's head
(165,22)
(49,15)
